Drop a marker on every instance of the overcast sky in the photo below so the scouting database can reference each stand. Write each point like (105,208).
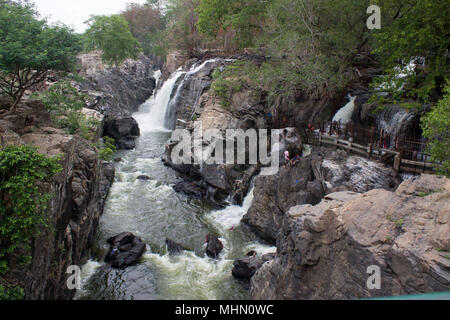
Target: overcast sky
(75,12)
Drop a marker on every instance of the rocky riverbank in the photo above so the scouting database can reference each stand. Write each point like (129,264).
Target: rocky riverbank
(80,190)
(331,215)
(324,251)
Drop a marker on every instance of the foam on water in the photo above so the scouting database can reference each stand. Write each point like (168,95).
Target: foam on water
(345,114)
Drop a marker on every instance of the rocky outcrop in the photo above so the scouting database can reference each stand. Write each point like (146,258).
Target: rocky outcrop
(124,132)
(324,251)
(323,172)
(174,247)
(213,246)
(79,193)
(117,92)
(125,250)
(246,267)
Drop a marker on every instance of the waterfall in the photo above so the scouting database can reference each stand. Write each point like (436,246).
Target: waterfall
(195,90)
(396,121)
(344,115)
(157,106)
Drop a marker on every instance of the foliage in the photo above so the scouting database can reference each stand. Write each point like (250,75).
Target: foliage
(182,30)
(23,207)
(112,35)
(436,128)
(232,79)
(147,25)
(65,105)
(107,149)
(11,293)
(242,18)
(414,30)
(28,53)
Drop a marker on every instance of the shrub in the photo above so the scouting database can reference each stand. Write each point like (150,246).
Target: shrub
(65,105)
(107,149)
(23,206)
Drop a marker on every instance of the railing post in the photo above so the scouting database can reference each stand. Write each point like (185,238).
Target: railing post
(369,150)
(397,162)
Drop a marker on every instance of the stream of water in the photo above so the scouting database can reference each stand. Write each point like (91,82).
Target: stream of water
(153,211)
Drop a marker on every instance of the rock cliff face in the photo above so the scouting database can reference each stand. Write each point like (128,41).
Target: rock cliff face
(324,250)
(79,193)
(81,189)
(323,172)
(118,92)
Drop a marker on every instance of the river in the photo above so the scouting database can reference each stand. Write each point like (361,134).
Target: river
(153,211)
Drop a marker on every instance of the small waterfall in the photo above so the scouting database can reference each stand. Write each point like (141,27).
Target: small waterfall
(396,121)
(157,105)
(195,89)
(344,115)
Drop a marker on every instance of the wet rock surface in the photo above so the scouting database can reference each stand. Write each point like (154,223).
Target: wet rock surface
(124,132)
(125,250)
(213,246)
(246,267)
(174,247)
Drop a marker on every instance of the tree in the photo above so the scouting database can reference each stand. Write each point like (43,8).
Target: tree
(112,35)
(436,128)
(29,48)
(242,19)
(147,25)
(182,30)
(415,29)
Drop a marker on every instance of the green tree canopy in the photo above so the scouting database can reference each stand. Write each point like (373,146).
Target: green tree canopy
(112,35)
(415,29)
(29,48)
(147,25)
(436,128)
(244,19)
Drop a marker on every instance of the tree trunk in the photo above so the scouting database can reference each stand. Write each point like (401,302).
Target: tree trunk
(19,96)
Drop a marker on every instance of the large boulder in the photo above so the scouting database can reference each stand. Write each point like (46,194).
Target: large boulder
(246,267)
(323,172)
(124,131)
(125,250)
(327,251)
(213,246)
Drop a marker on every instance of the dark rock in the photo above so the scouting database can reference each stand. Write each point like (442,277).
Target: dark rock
(214,246)
(125,250)
(123,131)
(118,160)
(246,267)
(144,178)
(174,247)
(190,189)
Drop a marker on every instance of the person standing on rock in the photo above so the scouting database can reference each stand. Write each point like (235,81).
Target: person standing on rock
(286,157)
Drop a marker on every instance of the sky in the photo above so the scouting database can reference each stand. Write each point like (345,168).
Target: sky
(75,12)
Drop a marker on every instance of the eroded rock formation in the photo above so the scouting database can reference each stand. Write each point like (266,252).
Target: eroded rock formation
(324,250)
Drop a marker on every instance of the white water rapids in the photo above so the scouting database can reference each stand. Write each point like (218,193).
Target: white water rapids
(153,211)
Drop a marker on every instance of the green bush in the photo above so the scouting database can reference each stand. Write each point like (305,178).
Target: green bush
(11,293)
(435,126)
(107,149)
(65,105)
(23,206)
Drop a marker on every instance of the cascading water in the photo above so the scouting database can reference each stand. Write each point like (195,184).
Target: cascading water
(154,212)
(344,115)
(195,89)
